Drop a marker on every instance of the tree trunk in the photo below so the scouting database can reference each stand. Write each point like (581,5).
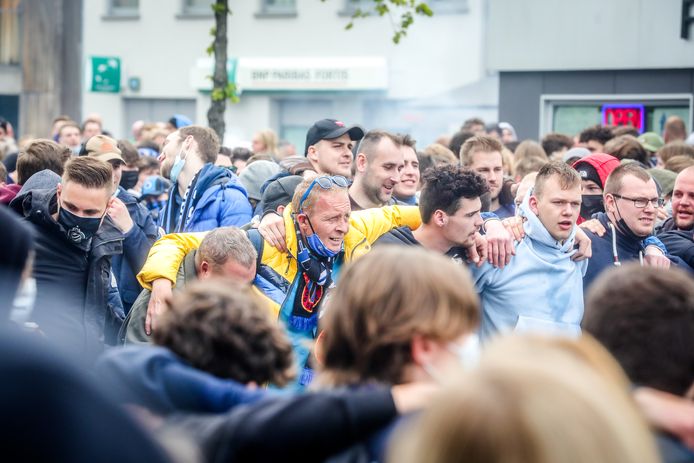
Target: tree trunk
(220,78)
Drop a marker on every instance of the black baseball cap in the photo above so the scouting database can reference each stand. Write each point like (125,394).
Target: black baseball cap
(328,129)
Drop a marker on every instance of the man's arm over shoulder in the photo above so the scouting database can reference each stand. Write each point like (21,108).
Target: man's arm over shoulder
(166,256)
(375,222)
(681,244)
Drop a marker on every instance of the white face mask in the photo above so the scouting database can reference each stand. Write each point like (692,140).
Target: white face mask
(23,304)
(468,355)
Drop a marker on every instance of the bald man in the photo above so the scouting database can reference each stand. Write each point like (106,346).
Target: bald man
(677,232)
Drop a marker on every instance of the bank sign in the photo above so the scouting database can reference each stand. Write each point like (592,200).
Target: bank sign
(300,73)
(625,114)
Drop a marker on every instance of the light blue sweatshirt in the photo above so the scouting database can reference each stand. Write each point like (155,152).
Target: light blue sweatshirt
(541,290)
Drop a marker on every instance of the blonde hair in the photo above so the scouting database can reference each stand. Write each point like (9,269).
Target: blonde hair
(376,311)
(269,138)
(518,409)
(476,144)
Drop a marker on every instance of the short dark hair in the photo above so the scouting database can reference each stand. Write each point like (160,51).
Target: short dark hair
(555,142)
(597,132)
(445,185)
(568,176)
(206,138)
(224,151)
(241,154)
(226,330)
(128,152)
(645,317)
(39,155)
(371,140)
(89,172)
(457,141)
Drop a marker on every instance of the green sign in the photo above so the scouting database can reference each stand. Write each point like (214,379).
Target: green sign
(105,74)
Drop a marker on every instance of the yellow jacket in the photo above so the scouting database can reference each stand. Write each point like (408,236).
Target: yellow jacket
(365,227)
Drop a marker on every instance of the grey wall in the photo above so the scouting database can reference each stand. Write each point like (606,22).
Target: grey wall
(533,35)
(519,92)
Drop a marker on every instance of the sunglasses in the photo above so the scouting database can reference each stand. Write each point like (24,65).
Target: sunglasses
(326,182)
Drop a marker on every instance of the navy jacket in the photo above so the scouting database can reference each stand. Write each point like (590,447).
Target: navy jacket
(136,244)
(679,243)
(628,249)
(155,378)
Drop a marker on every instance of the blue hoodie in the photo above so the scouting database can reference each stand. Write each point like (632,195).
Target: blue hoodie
(218,200)
(155,378)
(541,289)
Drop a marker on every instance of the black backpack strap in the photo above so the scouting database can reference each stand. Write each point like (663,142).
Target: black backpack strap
(258,243)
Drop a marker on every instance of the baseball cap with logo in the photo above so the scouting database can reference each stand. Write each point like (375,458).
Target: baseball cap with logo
(154,186)
(103,148)
(328,129)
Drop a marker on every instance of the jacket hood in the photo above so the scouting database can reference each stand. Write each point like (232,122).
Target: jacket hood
(37,205)
(42,180)
(536,231)
(214,175)
(603,163)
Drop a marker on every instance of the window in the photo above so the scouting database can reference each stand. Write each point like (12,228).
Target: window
(9,31)
(198,8)
(123,8)
(281,8)
(439,7)
(449,6)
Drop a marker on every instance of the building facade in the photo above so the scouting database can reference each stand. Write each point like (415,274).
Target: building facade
(567,65)
(293,63)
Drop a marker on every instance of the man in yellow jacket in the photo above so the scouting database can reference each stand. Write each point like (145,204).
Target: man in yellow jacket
(321,234)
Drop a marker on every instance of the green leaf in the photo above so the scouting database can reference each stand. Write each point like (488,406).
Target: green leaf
(213,31)
(424,9)
(210,49)
(349,25)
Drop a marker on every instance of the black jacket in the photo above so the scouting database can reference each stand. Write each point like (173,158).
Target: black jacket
(136,244)
(306,428)
(679,243)
(398,236)
(81,329)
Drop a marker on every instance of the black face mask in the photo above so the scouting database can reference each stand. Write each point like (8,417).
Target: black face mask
(78,229)
(129,178)
(591,204)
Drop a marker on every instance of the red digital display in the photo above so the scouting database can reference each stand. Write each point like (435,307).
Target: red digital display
(624,114)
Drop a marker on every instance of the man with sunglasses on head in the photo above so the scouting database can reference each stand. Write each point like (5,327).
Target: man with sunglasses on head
(321,233)
(631,198)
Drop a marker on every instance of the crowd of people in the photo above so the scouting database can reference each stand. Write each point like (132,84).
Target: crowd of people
(481,299)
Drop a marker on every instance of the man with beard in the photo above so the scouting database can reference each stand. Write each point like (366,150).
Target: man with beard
(377,170)
(450,207)
(631,198)
(677,232)
(202,196)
